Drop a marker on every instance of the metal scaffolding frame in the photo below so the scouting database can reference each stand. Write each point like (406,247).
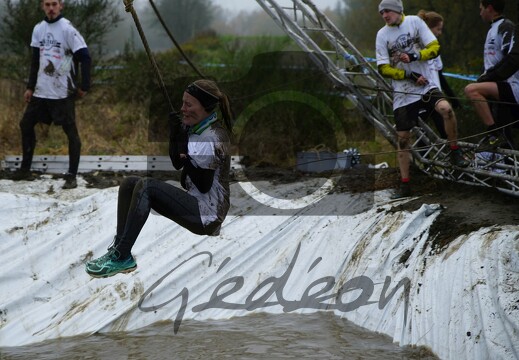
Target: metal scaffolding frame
(361,83)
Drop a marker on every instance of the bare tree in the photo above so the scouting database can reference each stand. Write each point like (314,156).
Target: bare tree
(185,18)
(93,18)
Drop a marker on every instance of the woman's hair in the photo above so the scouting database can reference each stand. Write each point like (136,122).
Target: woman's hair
(210,87)
(431,18)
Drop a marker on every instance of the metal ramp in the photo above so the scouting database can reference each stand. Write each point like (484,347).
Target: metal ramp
(58,164)
(349,70)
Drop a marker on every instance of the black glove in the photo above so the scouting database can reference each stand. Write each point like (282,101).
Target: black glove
(413,57)
(178,139)
(413,76)
(174,122)
(177,133)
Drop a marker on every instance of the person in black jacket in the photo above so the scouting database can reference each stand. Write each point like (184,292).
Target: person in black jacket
(51,90)
(199,145)
(503,91)
(507,67)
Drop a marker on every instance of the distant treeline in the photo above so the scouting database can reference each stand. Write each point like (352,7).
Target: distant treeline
(463,35)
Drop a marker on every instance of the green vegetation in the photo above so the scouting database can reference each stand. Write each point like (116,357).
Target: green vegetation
(93,19)
(463,33)
(125,113)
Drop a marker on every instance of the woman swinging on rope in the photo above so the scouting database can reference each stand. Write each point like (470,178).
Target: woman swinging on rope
(199,145)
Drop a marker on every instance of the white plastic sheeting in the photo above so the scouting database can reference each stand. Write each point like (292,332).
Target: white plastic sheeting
(375,268)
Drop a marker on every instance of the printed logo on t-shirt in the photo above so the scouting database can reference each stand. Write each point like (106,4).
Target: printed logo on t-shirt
(404,43)
(49,42)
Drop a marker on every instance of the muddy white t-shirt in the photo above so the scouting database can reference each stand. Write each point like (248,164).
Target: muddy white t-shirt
(410,36)
(436,66)
(57,42)
(209,151)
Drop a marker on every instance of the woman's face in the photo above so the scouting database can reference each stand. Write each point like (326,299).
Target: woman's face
(437,30)
(192,111)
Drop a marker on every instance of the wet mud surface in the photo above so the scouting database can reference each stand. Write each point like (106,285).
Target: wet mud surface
(465,208)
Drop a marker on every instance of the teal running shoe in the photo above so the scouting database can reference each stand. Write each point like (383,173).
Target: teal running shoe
(110,264)
(103,258)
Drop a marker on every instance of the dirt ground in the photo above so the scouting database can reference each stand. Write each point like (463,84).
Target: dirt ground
(466,208)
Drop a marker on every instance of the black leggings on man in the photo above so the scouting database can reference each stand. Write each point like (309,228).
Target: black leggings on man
(47,111)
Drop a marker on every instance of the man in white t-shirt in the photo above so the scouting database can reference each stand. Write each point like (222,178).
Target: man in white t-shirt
(51,90)
(403,47)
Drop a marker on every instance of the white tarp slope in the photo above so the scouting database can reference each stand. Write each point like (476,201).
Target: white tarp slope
(463,303)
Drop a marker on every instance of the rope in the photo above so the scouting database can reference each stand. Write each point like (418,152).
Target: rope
(426,147)
(308,78)
(483,133)
(379,89)
(129,8)
(177,45)
(362,87)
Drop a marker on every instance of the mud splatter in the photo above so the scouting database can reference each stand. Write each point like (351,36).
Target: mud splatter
(49,69)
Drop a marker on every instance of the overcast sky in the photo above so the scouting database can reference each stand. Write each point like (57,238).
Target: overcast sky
(248,5)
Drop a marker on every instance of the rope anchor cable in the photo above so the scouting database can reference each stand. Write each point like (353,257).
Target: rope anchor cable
(175,42)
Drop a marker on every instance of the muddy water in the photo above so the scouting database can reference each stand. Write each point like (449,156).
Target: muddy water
(287,336)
